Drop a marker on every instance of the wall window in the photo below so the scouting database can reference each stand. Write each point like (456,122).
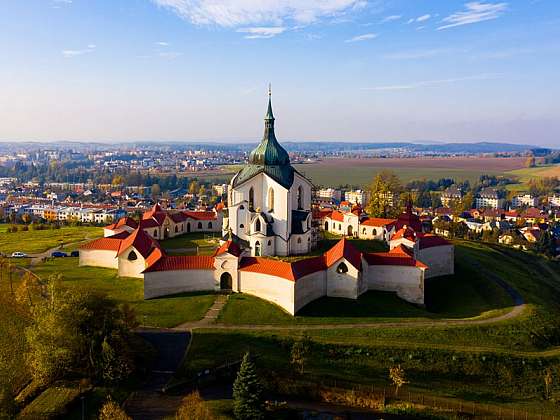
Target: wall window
(342,268)
(258,225)
(300,198)
(364,231)
(374,232)
(209,225)
(132,256)
(326,225)
(269,243)
(155,233)
(251,199)
(241,226)
(241,207)
(176,229)
(257,249)
(299,240)
(270,199)
(200,225)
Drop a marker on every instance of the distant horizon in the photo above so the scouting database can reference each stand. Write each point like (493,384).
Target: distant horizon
(131,70)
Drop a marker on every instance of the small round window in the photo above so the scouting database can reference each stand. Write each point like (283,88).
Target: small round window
(342,268)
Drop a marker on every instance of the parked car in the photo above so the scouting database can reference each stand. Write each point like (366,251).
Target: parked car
(18,254)
(59,254)
(75,254)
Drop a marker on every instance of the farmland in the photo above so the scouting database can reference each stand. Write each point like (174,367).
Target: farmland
(359,172)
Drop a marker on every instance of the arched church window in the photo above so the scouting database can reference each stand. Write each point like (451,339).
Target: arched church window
(241,207)
(258,225)
(269,243)
(251,199)
(364,231)
(155,233)
(257,249)
(132,256)
(209,225)
(241,226)
(342,268)
(374,232)
(300,198)
(299,240)
(200,225)
(176,229)
(326,225)
(270,199)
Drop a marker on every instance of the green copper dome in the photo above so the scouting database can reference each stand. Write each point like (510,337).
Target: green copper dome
(268,157)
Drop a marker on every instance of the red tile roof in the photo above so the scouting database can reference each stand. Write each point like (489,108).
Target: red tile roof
(344,249)
(376,221)
(182,262)
(321,213)
(110,243)
(406,233)
(200,215)
(399,255)
(141,241)
(230,247)
(148,223)
(289,271)
(337,216)
(123,221)
(429,240)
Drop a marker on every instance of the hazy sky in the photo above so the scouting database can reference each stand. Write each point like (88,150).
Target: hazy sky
(387,70)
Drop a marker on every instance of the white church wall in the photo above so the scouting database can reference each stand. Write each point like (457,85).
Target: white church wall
(407,282)
(133,268)
(226,263)
(346,285)
(274,289)
(163,283)
(439,259)
(309,288)
(98,258)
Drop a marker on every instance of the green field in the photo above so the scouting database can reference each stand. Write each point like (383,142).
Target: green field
(37,241)
(495,362)
(192,244)
(161,312)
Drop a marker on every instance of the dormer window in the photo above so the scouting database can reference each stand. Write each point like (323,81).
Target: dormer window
(258,225)
(342,268)
(132,256)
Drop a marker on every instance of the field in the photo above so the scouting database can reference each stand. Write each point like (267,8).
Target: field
(495,362)
(163,312)
(360,171)
(192,244)
(37,241)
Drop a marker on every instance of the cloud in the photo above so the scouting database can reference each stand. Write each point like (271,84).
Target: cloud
(423,18)
(74,53)
(363,37)
(262,32)
(162,43)
(250,12)
(391,18)
(428,83)
(475,12)
(170,54)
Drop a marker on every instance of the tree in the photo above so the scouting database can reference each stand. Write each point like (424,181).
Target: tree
(530,162)
(398,377)
(193,187)
(26,288)
(300,352)
(7,403)
(193,407)
(112,411)
(547,383)
(156,190)
(26,218)
(247,392)
(117,181)
(383,190)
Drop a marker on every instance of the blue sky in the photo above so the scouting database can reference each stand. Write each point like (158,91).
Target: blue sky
(351,70)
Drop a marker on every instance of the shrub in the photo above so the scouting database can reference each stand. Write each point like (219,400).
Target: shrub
(193,407)
(112,411)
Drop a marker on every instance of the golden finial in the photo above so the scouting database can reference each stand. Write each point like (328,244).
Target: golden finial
(270,89)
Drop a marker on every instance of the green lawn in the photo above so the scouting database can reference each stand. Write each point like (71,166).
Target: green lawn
(188,244)
(162,312)
(52,403)
(37,241)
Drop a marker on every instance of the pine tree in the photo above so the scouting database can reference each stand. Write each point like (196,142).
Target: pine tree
(247,392)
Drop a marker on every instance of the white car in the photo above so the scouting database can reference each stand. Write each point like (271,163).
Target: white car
(18,255)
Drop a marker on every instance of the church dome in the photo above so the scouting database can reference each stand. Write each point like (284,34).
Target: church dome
(269,151)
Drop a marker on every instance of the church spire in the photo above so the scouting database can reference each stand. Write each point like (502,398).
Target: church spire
(269,118)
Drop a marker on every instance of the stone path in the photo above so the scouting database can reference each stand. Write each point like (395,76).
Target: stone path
(211,315)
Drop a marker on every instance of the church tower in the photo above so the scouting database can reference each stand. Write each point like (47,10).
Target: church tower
(269,202)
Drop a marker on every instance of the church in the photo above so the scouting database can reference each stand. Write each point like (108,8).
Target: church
(269,214)
(269,202)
